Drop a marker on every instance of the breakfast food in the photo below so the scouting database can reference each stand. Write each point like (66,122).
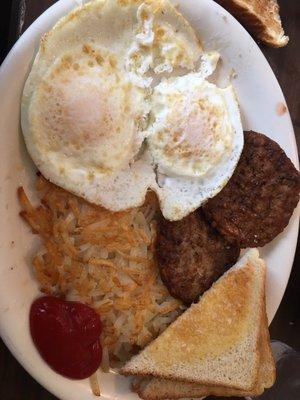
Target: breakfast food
(131,137)
(105,260)
(260,17)
(258,201)
(159,389)
(98,107)
(216,341)
(195,141)
(192,255)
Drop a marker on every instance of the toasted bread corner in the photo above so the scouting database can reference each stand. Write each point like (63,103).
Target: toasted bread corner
(262,19)
(223,328)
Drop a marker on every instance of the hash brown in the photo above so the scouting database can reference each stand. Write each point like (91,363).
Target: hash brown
(191,255)
(259,199)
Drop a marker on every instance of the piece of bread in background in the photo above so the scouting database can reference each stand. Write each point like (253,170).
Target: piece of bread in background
(216,341)
(159,389)
(260,17)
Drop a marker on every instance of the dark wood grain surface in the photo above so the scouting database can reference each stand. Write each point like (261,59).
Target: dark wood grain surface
(16,384)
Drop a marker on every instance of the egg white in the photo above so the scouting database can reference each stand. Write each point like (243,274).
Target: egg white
(90,103)
(195,139)
(163,43)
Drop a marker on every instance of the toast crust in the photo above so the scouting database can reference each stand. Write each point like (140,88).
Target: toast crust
(161,389)
(260,17)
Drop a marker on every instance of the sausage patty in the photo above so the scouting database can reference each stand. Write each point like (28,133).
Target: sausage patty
(191,255)
(259,199)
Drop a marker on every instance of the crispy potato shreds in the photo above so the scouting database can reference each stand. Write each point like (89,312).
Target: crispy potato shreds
(103,259)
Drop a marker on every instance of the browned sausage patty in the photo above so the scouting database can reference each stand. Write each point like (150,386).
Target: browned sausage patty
(191,255)
(259,199)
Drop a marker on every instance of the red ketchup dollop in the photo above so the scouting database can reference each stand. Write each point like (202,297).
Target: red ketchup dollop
(67,336)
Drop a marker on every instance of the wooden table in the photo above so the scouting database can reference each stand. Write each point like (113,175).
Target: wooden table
(16,384)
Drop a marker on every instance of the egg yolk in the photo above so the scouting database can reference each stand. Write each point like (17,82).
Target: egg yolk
(83,113)
(192,130)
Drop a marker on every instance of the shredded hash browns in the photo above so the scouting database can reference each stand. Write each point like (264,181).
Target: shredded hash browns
(105,260)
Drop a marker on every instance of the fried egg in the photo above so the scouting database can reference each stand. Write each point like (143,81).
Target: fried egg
(85,125)
(191,127)
(117,103)
(84,108)
(86,102)
(195,139)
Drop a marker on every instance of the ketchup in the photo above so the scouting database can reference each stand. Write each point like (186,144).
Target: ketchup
(66,334)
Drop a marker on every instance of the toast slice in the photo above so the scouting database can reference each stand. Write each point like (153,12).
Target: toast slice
(260,17)
(159,389)
(216,341)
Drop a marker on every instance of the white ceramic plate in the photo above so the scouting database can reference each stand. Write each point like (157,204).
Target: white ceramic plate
(259,95)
